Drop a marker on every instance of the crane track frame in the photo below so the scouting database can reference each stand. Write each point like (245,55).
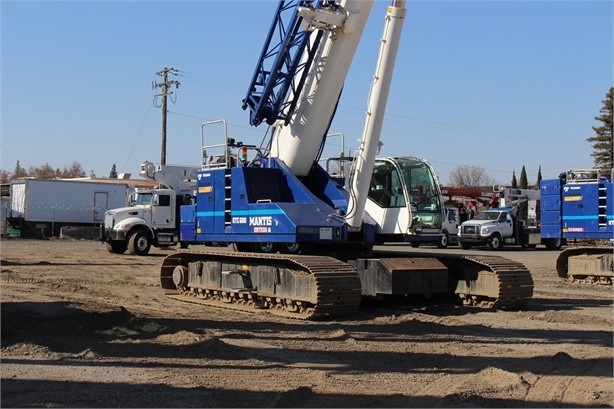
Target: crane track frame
(311,287)
(501,283)
(584,264)
(483,281)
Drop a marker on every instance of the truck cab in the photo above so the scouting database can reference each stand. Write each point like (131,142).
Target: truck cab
(153,217)
(492,227)
(151,220)
(157,205)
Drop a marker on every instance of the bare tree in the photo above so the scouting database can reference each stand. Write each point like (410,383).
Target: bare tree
(43,172)
(470,176)
(5,176)
(75,171)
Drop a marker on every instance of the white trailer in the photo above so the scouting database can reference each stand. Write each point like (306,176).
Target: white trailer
(46,205)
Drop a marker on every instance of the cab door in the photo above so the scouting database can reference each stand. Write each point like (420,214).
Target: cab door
(506,225)
(163,210)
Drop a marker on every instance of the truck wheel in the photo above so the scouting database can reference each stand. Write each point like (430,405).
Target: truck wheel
(183,244)
(553,244)
(139,243)
(495,242)
(445,239)
(464,246)
(117,247)
(415,244)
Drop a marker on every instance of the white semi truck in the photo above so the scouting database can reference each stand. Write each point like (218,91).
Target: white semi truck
(152,219)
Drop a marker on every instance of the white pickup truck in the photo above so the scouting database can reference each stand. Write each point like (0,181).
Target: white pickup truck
(495,227)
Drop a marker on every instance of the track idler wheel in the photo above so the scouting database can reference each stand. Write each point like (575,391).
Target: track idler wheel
(180,276)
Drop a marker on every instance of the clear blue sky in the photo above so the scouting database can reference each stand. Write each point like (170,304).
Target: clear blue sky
(497,84)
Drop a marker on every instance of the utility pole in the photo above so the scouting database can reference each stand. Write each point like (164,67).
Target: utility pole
(165,85)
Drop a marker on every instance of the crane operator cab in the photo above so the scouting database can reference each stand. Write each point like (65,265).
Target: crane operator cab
(421,198)
(379,190)
(405,201)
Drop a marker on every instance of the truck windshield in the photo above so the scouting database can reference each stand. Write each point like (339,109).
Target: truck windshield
(143,199)
(487,216)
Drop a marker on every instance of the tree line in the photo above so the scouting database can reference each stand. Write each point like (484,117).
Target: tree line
(46,171)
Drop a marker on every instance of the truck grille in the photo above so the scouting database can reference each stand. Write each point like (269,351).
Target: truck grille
(109,220)
(471,229)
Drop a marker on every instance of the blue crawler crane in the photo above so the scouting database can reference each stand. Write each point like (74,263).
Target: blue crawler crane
(303,239)
(578,207)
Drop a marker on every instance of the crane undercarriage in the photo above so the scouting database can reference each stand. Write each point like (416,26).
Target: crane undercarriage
(317,287)
(586,263)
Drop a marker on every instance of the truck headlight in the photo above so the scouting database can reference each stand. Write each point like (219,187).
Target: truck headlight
(485,230)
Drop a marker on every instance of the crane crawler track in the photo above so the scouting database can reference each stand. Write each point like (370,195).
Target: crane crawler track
(505,283)
(295,286)
(586,264)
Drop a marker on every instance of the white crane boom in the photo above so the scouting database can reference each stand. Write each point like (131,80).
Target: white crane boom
(298,143)
(360,175)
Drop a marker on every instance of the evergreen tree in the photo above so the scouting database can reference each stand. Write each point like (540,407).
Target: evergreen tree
(523,183)
(603,141)
(523,208)
(514,182)
(19,172)
(113,173)
(537,186)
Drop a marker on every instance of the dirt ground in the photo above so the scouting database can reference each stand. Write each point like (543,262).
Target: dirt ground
(85,328)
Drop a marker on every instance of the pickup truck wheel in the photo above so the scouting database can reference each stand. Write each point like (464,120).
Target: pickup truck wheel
(117,247)
(495,242)
(139,243)
(445,239)
(465,246)
(415,244)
